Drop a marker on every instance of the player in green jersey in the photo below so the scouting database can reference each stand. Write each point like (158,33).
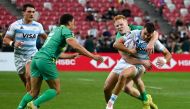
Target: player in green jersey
(43,65)
(122,27)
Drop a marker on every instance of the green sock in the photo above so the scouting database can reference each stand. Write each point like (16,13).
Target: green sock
(47,95)
(144,97)
(140,97)
(27,98)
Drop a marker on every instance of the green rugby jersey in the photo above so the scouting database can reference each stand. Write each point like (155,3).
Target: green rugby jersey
(132,27)
(55,43)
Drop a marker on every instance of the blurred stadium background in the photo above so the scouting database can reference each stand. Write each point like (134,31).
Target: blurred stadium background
(95,31)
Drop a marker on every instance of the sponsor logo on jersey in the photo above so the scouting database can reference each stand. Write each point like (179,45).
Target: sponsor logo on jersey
(108,63)
(29,35)
(21,27)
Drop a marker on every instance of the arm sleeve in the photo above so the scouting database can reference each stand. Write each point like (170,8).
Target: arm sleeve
(67,33)
(41,29)
(11,30)
(159,46)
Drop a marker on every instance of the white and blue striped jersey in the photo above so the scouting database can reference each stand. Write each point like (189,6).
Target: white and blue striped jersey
(27,33)
(141,44)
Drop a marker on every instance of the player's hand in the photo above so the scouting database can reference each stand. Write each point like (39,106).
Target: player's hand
(98,58)
(18,44)
(75,55)
(160,62)
(150,48)
(133,51)
(147,64)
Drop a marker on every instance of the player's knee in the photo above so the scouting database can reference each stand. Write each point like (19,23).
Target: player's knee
(143,69)
(27,76)
(34,93)
(58,91)
(127,89)
(127,73)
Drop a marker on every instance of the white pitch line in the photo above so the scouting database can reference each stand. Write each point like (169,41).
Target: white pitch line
(83,79)
(152,87)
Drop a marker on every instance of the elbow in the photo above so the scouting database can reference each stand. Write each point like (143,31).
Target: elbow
(115,45)
(5,41)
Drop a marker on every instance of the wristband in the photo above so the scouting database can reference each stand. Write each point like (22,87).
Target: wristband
(165,61)
(10,43)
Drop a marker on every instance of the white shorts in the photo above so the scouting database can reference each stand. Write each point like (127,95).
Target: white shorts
(122,64)
(21,61)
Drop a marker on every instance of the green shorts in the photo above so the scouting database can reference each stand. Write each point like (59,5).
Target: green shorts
(43,68)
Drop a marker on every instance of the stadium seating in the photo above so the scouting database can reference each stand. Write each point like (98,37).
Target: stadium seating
(59,7)
(174,9)
(6,17)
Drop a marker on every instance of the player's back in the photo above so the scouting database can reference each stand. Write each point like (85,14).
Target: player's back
(55,43)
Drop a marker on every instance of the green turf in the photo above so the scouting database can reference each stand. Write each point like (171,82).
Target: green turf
(85,91)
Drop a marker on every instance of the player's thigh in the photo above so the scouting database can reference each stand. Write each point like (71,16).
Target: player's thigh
(34,69)
(27,69)
(20,64)
(140,71)
(120,66)
(47,69)
(129,72)
(111,80)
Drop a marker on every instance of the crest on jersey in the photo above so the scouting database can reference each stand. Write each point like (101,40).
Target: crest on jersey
(21,27)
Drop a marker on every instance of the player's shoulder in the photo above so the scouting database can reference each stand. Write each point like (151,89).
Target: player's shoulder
(17,22)
(65,29)
(36,23)
(135,31)
(135,27)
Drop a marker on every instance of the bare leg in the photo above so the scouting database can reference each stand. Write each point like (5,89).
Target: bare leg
(126,74)
(130,89)
(109,85)
(23,78)
(54,84)
(35,86)
(27,75)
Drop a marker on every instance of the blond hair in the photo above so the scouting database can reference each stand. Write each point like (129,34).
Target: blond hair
(118,17)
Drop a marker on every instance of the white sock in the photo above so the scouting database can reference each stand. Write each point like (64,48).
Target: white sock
(113,98)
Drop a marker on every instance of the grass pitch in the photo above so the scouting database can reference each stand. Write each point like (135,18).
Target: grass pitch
(85,91)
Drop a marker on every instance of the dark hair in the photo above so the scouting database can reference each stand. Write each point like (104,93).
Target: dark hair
(149,27)
(65,18)
(27,5)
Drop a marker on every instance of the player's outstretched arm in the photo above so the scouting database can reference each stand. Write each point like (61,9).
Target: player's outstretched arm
(119,45)
(74,44)
(167,57)
(69,56)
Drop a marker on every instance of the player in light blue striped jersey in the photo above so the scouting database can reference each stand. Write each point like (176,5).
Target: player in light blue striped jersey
(22,35)
(126,69)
